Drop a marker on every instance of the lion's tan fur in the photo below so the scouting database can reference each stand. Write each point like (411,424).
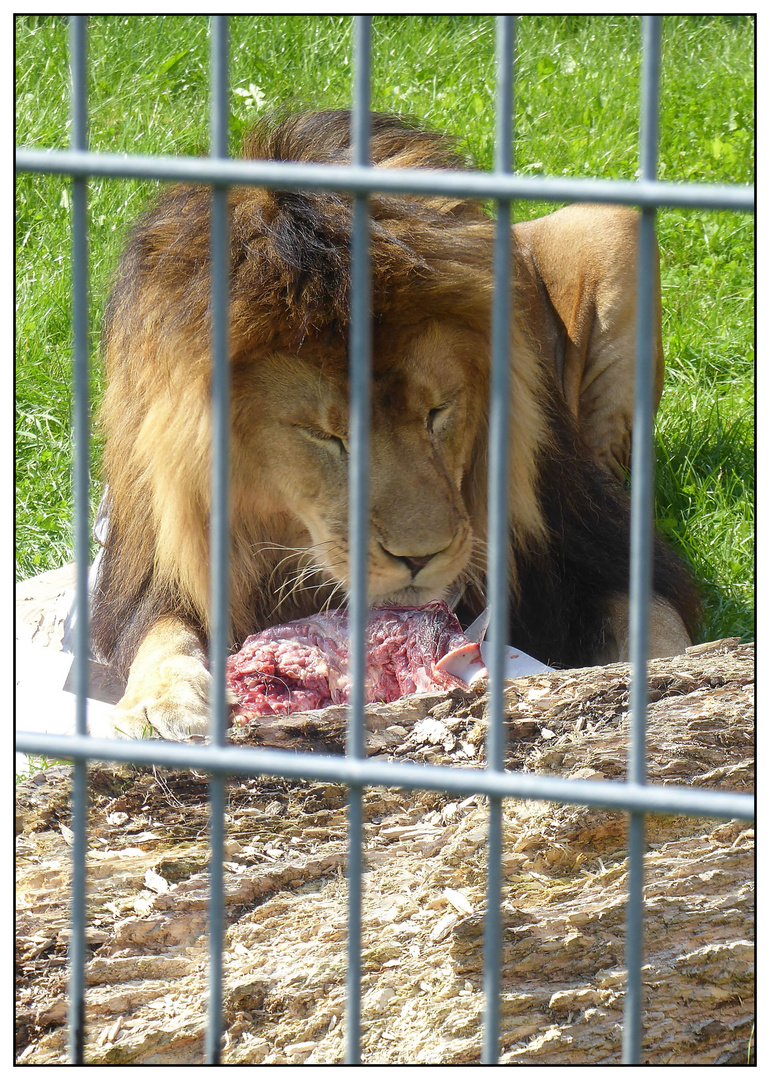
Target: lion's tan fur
(578,270)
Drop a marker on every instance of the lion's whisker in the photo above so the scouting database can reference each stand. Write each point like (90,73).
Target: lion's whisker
(338,587)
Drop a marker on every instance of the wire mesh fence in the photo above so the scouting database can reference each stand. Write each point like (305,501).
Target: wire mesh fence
(218,759)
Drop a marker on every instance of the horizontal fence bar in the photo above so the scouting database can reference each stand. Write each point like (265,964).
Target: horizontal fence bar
(361,179)
(373,772)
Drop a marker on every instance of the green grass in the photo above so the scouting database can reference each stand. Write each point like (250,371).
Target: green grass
(576,115)
(36,764)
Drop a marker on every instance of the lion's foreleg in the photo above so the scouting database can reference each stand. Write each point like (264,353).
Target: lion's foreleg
(167,693)
(667,633)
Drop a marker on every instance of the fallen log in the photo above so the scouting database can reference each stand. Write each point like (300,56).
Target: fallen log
(564,890)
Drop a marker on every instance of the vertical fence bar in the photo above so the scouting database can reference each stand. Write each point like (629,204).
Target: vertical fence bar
(220,523)
(642,493)
(77,951)
(498,529)
(358,486)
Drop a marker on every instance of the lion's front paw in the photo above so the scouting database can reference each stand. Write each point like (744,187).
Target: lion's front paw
(171,702)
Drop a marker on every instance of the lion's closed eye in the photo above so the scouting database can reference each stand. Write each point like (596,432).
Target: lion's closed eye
(335,443)
(439,417)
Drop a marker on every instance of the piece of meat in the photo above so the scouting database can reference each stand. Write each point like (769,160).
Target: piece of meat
(304,664)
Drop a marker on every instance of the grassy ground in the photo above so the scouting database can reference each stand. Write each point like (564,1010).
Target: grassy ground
(576,114)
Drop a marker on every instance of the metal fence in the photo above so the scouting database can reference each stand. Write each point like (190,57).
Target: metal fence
(353,770)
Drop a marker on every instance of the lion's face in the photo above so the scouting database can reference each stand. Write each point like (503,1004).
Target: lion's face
(293,428)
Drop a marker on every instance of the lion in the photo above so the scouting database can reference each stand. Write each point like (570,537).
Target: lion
(432,282)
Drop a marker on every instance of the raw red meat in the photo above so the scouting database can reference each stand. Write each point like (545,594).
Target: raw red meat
(304,664)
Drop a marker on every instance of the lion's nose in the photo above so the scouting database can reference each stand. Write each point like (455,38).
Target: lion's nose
(415,563)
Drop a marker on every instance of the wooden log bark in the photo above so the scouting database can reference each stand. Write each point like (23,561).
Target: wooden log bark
(284,964)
